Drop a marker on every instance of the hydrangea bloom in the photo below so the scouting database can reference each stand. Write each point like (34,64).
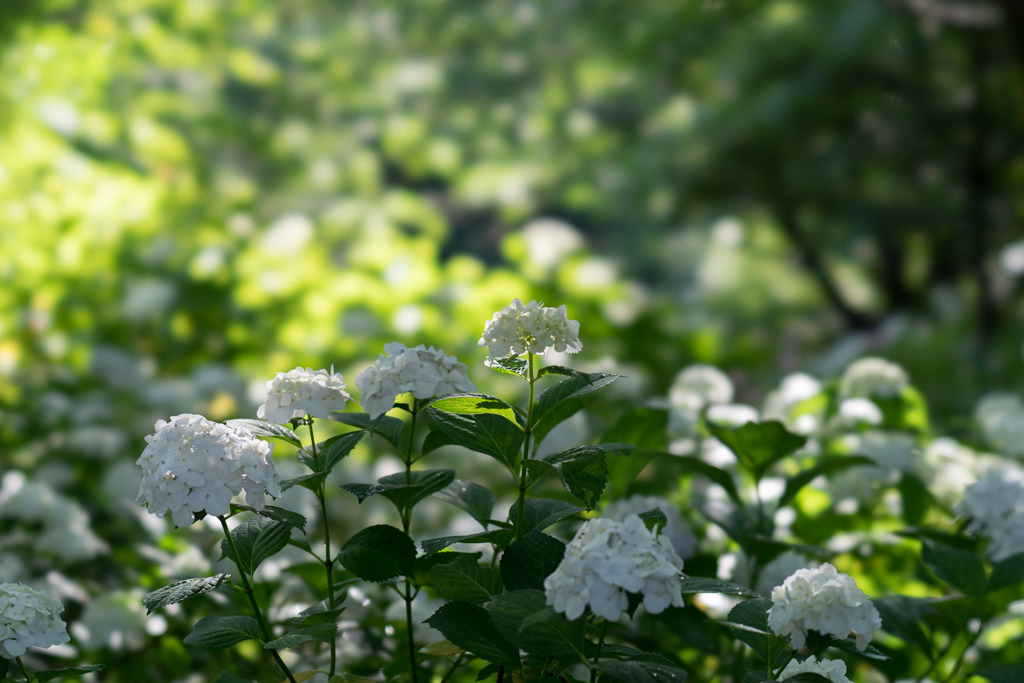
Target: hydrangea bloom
(299,392)
(995,506)
(833,670)
(872,376)
(192,464)
(795,388)
(28,618)
(63,524)
(693,389)
(608,559)
(424,371)
(1001,417)
(530,328)
(825,601)
(676,530)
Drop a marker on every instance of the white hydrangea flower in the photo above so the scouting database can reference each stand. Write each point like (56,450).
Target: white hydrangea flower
(114,620)
(833,670)
(424,371)
(530,328)
(825,601)
(64,523)
(192,464)
(676,530)
(855,412)
(873,376)
(693,389)
(301,392)
(608,559)
(779,404)
(995,506)
(29,618)
(1001,417)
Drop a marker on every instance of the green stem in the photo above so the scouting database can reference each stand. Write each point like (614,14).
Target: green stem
(521,509)
(406,523)
(960,660)
(321,494)
(600,646)
(21,665)
(247,589)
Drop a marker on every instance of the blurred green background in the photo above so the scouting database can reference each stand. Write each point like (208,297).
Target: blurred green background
(197,194)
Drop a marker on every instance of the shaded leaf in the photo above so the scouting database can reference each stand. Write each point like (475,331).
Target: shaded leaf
(957,567)
(470,497)
(645,668)
(1007,572)
(378,553)
(267,429)
(470,627)
(334,449)
(583,470)
(902,616)
(464,579)
(256,539)
(578,384)
(310,481)
(181,590)
(490,434)
(540,513)
(1002,673)
(51,674)
(215,633)
(322,632)
(526,619)
(499,537)
(388,427)
(700,584)
(528,561)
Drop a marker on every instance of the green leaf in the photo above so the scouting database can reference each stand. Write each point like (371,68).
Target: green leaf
(385,425)
(902,616)
(1008,572)
(957,567)
(524,617)
(579,384)
(748,622)
(499,537)
(225,677)
(379,553)
(584,472)
(645,668)
(436,439)
(267,429)
(470,497)
(180,591)
(256,539)
(758,445)
(476,404)
(464,579)
(318,613)
(916,498)
(67,671)
(700,584)
(528,561)
(654,519)
(471,628)
(540,513)
(1002,673)
(509,365)
(334,449)
(807,677)
(310,481)
(216,633)
(645,429)
(718,476)
(279,514)
(323,632)
(824,467)
(404,494)
(486,433)
(556,416)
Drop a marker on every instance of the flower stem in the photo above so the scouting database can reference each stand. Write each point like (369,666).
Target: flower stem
(321,494)
(521,509)
(21,665)
(406,523)
(247,589)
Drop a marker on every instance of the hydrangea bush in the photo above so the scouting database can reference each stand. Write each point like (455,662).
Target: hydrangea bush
(691,538)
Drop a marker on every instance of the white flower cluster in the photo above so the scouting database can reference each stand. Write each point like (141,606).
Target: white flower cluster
(833,670)
(995,506)
(1001,417)
(825,601)
(608,559)
(780,404)
(62,524)
(301,392)
(695,388)
(530,328)
(676,530)
(873,377)
(424,371)
(192,464)
(28,618)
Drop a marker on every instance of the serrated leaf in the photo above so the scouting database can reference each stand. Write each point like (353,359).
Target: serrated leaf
(645,668)
(256,539)
(583,470)
(385,425)
(322,632)
(471,628)
(51,674)
(379,553)
(442,648)
(577,385)
(464,579)
(524,617)
(181,590)
(334,449)
(758,445)
(700,584)
(486,433)
(1008,572)
(748,622)
(528,561)
(310,481)
(957,567)
(509,365)
(216,633)
(499,537)
(267,429)
(540,513)
(420,484)
(476,404)
(902,616)
(470,497)
(825,467)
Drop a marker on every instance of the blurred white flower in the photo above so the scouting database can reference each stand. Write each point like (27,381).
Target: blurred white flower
(64,523)
(825,601)
(693,389)
(114,620)
(530,328)
(833,670)
(301,392)
(778,570)
(873,377)
(895,453)
(676,530)
(29,618)
(779,404)
(995,506)
(608,559)
(424,371)
(1001,417)
(192,464)
(854,413)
